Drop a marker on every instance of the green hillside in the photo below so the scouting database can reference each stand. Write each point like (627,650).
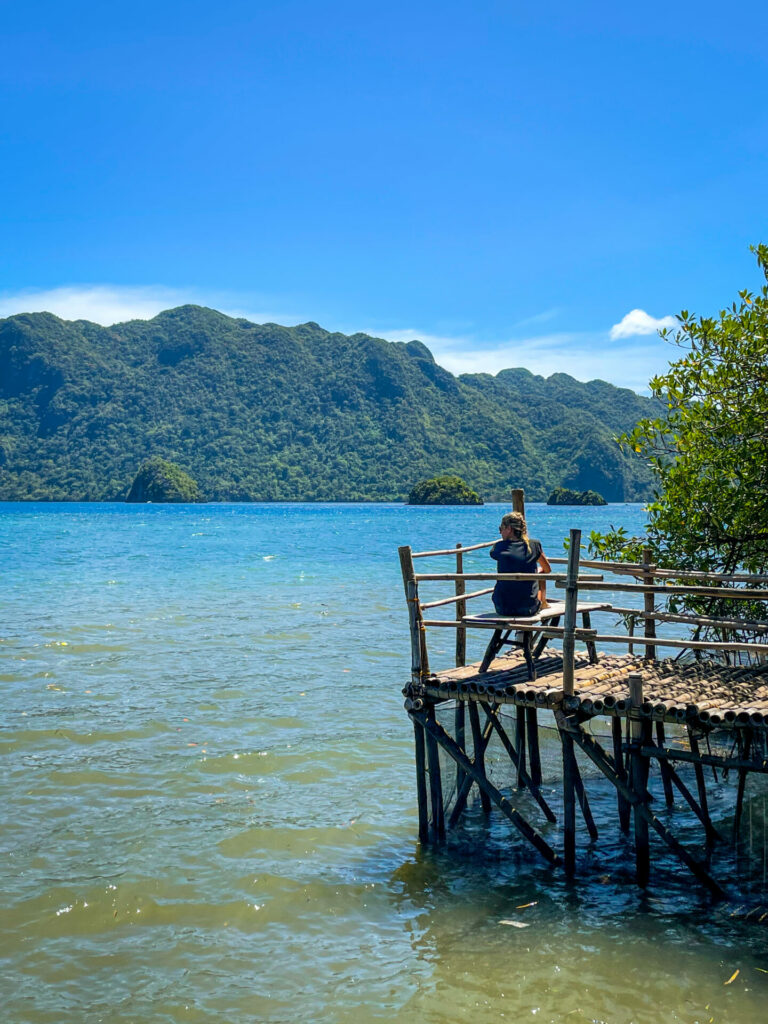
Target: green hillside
(260,412)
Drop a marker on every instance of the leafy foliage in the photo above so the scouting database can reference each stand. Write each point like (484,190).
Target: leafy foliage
(264,413)
(443,490)
(564,496)
(709,449)
(160,481)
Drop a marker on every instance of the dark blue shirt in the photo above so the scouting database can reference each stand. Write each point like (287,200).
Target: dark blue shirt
(516,597)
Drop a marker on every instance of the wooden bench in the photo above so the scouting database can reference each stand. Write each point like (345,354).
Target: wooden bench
(506,626)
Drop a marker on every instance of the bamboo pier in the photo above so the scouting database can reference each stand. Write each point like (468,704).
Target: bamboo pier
(660,713)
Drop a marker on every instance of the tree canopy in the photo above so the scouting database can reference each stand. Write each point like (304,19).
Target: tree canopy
(161,481)
(443,490)
(708,450)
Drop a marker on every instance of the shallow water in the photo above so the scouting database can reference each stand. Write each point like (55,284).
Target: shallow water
(209,809)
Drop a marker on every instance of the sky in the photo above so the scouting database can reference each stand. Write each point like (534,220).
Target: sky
(539,185)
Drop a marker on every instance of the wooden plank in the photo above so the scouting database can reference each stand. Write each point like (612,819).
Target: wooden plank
(693,645)
(693,620)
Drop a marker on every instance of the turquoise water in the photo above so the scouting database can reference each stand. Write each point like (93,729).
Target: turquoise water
(209,809)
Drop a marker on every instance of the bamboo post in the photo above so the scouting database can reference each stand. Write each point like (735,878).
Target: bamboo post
(461,659)
(520,744)
(666,777)
(435,780)
(461,611)
(532,728)
(419,658)
(648,604)
(639,777)
(621,773)
(701,783)
(569,803)
(421,782)
(569,619)
(518,500)
(479,749)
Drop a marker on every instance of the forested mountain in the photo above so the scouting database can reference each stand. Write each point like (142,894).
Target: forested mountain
(260,412)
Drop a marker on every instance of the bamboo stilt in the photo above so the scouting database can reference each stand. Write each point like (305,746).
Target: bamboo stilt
(467,781)
(666,779)
(520,744)
(639,777)
(421,782)
(435,781)
(532,728)
(449,745)
(569,804)
(459,728)
(701,784)
(618,757)
(479,749)
(515,758)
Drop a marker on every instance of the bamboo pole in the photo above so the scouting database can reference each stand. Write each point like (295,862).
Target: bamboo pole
(435,780)
(597,755)
(701,784)
(461,611)
(639,776)
(479,751)
(520,744)
(467,781)
(693,620)
(421,782)
(569,803)
(621,772)
(664,768)
(515,758)
(569,618)
(452,551)
(419,657)
(435,729)
(518,500)
(648,605)
(558,577)
(532,728)
(729,593)
(456,597)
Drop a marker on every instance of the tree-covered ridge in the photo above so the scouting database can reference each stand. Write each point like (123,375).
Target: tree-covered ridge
(264,412)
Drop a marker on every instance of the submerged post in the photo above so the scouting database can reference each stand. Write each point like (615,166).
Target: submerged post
(569,619)
(639,780)
(518,500)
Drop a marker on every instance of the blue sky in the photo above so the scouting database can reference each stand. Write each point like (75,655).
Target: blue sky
(506,181)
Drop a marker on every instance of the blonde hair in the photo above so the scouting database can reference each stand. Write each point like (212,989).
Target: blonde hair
(516,522)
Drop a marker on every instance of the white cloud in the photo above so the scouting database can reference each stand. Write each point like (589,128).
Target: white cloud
(112,304)
(637,321)
(584,355)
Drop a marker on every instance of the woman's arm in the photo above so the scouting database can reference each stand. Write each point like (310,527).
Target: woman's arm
(543,563)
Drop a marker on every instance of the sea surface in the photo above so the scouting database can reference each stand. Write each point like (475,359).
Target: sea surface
(208,800)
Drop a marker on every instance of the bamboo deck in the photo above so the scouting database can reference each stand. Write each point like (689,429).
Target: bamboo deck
(698,693)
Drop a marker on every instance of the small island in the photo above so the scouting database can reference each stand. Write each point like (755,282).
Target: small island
(161,481)
(564,496)
(443,490)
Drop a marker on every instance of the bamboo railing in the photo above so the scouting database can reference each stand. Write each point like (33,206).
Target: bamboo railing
(649,583)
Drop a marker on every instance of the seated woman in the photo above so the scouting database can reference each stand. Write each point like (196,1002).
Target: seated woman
(517,552)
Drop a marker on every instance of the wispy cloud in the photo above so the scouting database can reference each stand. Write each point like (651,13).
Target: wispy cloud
(637,322)
(112,304)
